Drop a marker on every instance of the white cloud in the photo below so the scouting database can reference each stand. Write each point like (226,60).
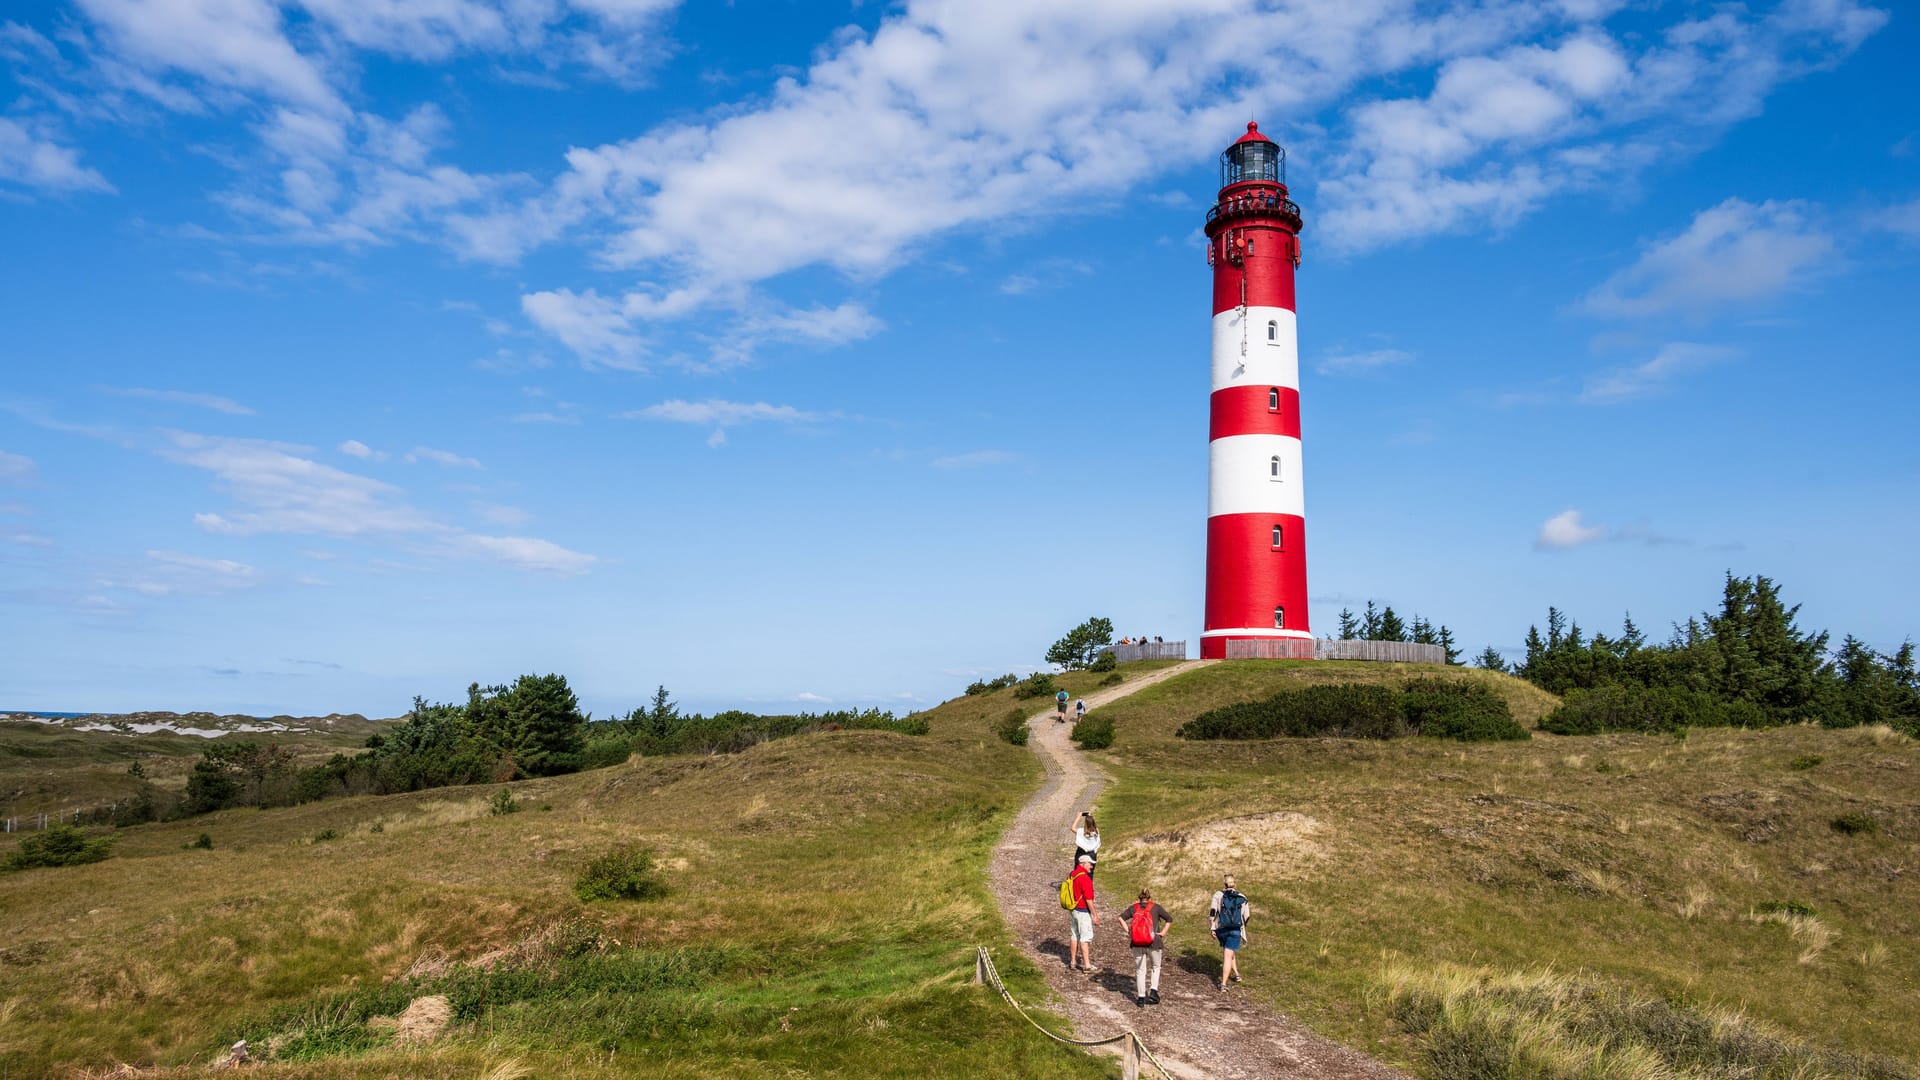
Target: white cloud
(723,415)
(181,397)
(279,490)
(975,458)
(440,457)
(354,448)
(1640,380)
(811,698)
(1566,530)
(527,553)
(502,515)
(1903,219)
(35,161)
(1733,253)
(1356,363)
(168,573)
(15,468)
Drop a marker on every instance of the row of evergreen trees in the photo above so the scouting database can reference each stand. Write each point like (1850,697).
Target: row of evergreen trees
(1384,624)
(1750,655)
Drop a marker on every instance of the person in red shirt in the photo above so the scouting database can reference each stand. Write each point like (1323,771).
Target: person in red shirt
(1080,946)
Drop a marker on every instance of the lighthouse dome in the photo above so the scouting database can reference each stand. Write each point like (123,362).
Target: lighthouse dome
(1253,157)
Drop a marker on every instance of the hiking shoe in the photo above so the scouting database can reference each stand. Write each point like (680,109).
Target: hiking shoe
(1139,1003)
(1236,976)
(1153,995)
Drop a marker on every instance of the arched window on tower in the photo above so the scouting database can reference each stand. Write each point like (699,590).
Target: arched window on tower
(1273,331)
(1273,399)
(1279,538)
(1279,618)
(1273,468)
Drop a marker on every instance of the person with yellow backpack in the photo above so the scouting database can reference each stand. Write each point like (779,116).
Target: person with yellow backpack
(1076,895)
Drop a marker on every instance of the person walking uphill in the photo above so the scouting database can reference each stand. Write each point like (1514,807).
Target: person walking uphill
(1080,949)
(1060,706)
(1147,934)
(1086,842)
(1228,915)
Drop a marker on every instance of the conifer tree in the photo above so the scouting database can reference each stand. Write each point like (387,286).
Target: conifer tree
(1349,626)
(1390,626)
(1490,659)
(1451,648)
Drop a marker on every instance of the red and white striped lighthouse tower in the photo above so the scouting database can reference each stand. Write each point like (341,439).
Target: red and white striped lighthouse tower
(1256,514)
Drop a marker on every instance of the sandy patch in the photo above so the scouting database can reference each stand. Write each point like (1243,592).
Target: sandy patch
(1283,844)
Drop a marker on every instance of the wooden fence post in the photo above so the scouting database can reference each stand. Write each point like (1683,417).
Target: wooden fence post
(979,966)
(1130,1058)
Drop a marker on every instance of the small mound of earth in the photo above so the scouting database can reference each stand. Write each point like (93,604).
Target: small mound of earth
(423,1021)
(1283,844)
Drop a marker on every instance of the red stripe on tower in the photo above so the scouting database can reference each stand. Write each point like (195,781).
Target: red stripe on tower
(1256,512)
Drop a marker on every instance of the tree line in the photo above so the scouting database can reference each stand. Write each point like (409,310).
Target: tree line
(1747,663)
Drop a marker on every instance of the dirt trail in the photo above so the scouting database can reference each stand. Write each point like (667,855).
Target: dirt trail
(1196,1031)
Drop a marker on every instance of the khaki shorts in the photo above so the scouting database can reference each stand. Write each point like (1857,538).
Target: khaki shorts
(1083,926)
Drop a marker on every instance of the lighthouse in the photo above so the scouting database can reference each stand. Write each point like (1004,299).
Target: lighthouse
(1256,510)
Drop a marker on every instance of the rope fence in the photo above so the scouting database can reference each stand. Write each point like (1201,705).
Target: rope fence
(1130,1054)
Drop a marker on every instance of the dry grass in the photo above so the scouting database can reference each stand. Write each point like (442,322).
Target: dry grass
(1634,857)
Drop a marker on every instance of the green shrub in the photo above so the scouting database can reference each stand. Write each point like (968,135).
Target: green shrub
(1106,661)
(1349,710)
(1038,684)
(1013,726)
(1645,709)
(61,845)
(1114,679)
(1855,823)
(1805,762)
(976,688)
(204,842)
(1462,709)
(325,835)
(1094,733)
(503,803)
(623,874)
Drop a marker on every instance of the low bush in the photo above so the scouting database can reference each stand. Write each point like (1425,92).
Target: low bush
(1634,708)
(1114,679)
(325,835)
(1106,661)
(60,845)
(1805,762)
(623,874)
(1784,907)
(1038,684)
(1853,824)
(1351,710)
(1461,709)
(1013,727)
(503,803)
(988,686)
(204,842)
(1094,733)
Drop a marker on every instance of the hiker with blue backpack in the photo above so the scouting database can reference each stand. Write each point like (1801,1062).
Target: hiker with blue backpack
(1228,915)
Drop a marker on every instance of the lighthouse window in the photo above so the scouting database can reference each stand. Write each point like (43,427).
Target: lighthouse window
(1279,538)
(1273,331)
(1273,399)
(1273,467)
(1279,618)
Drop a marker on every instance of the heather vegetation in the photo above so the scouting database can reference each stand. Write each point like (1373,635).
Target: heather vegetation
(1444,708)
(1746,664)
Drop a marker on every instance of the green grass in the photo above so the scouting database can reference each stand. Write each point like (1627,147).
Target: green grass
(1642,862)
(824,895)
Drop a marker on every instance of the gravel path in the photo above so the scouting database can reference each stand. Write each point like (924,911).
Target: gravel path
(1196,1031)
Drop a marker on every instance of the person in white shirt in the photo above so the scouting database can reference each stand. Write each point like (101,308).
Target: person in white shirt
(1227,916)
(1086,841)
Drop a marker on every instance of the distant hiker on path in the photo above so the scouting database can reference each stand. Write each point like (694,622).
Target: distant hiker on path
(1079,710)
(1146,933)
(1228,915)
(1080,949)
(1060,705)
(1086,842)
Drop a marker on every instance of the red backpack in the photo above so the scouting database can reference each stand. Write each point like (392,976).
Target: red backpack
(1140,926)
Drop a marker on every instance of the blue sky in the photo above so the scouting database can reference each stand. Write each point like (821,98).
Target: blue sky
(796,354)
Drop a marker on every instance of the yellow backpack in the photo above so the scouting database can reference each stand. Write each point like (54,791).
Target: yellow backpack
(1066,895)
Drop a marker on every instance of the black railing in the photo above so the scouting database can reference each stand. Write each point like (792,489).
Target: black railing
(1255,204)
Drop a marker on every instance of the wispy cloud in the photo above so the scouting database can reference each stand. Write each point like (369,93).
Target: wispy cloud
(1647,378)
(354,448)
(440,457)
(1360,363)
(15,468)
(169,573)
(36,161)
(1734,253)
(180,397)
(974,459)
(723,415)
(527,553)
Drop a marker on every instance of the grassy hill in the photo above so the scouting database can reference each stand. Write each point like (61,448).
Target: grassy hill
(1420,897)
(825,895)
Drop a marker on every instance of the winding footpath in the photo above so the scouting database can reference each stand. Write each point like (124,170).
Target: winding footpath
(1197,1031)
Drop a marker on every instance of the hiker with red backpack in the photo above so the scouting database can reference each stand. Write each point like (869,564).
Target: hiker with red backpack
(1079,888)
(1228,915)
(1146,933)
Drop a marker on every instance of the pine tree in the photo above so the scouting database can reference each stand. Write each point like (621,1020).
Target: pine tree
(1449,647)
(1556,627)
(1391,628)
(1423,632)
(1630,636)
(1490,659)
(1370,623)
(1349,626)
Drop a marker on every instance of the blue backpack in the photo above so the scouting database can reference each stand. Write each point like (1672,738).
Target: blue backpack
(1233,911)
